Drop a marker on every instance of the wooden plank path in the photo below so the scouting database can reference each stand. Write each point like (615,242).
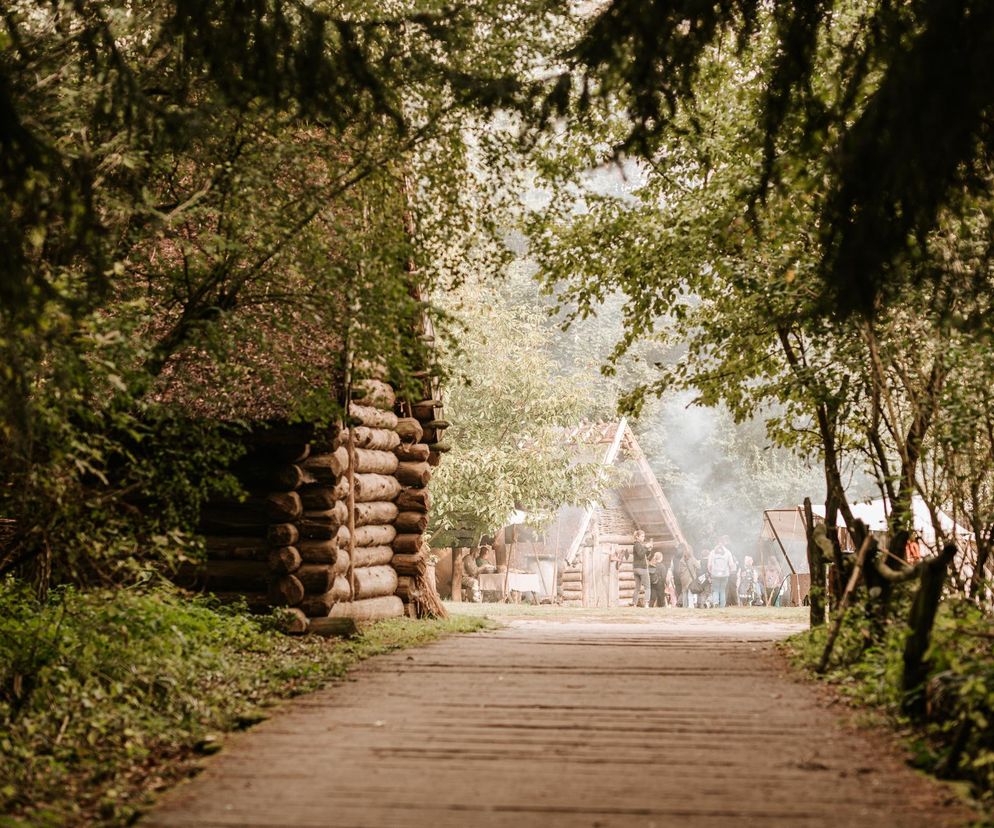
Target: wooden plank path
(564,724)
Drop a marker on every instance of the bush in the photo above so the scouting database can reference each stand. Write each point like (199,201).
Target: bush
(107,695)
(955,738)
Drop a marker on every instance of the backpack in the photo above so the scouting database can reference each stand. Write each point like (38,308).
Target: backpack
(719,564)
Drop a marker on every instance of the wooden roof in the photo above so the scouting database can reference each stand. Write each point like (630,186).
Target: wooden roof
(641,497)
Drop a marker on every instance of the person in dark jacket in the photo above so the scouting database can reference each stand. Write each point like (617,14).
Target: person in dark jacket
(687,570)
(640,564)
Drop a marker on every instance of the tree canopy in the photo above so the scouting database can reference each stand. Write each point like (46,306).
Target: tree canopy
(883,108)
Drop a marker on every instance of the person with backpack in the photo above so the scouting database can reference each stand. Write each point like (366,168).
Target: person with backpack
(721,564)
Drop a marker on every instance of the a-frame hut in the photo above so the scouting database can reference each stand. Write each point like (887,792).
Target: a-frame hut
(577,556)
(591,575)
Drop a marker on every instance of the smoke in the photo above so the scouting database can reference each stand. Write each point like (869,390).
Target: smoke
(718,475)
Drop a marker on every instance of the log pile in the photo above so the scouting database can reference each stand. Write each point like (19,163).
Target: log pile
(571,585)
(335,523)
(571,580)
(279,547)
(626,583)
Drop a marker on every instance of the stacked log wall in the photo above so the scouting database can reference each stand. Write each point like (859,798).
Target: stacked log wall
(278,547)
(289,543)
(417,454)
(571,579)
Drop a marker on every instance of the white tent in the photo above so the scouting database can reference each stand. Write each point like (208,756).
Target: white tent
(874,515)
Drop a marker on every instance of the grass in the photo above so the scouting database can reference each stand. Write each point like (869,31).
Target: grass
(107,697)
(628,615)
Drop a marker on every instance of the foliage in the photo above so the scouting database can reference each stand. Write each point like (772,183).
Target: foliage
(107,696)
(734,297)
(847,97)
(511,410)
(956,739)
(198,228)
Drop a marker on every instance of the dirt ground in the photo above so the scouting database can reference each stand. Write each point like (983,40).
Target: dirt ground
(685,718)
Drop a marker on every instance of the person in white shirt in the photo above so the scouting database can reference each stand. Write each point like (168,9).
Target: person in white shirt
(721,564)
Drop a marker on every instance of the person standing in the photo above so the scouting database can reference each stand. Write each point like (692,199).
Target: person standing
(657,577)
(750,592)
(721,564)
(687,570)
(640,564)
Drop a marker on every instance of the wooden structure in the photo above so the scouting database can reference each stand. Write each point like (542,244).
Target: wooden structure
(576,558)
(335,521)
(595,538)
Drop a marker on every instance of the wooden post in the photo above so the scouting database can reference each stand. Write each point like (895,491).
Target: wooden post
(510,555)
(458,553)
(868,547)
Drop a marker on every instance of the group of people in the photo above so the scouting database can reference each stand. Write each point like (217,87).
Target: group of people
(682,580)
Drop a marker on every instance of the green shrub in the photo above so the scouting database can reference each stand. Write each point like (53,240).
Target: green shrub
(955,738)
(104,694)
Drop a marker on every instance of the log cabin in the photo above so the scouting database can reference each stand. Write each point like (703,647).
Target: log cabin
(333,527)
(572,561)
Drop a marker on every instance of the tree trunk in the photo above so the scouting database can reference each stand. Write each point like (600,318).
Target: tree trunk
(412,452)
(287,591)
(251,576)
(333,627)
(369,461)
(380,439)
(234,520)
(372,556)
(376,394)
(410,544)
(316,578)
(319,551)
(409,429)
(284,561)
(294,621)
(367,514)
(458,553)
(374,535)
(816,565)
(414,474)
(920,622)
(283,534)
(375,487)
(407,564)
(371,417)
(318,606)
(328,468)
(282,506)
(321,497)
(323,524)
(415,523)
(236,548)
